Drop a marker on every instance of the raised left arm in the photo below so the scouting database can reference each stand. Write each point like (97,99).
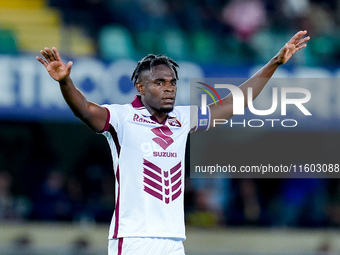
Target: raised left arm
(260,79)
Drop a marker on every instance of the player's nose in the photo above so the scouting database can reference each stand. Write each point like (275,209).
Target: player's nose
(169,87)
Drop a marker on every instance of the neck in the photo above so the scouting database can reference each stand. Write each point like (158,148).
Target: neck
(159,116)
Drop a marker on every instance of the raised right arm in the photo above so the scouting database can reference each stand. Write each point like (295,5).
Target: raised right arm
(93,115)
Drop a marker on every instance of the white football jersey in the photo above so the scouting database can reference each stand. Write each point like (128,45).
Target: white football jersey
(148,160)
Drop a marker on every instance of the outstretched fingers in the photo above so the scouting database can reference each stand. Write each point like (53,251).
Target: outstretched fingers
(305,39)
(56,54)
(42,61)
(42,52)
(49,55)
(301,46)
(69,64)
(297,37)
(296,43)
(301,43)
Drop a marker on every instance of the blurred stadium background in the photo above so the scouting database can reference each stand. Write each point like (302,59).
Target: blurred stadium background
(56,182)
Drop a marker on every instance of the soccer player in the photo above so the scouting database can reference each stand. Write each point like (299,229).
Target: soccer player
(149,212)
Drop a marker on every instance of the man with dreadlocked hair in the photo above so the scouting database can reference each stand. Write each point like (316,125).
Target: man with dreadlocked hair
(152,60)
(149,214)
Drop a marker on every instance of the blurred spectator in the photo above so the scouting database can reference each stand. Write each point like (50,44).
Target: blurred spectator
(294,9)
(53,202)
(76,196)
(127,13)
(302,203)
(88,14)
(22,245)
(211,198)
(106,199)
(334,204)
(325,248)
(11,208)
(246,17)
(245,207)
(7,210)
(80,246)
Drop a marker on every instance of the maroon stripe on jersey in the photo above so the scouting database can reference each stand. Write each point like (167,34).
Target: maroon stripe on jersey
(175,168)
(152,175)
(115,138)
(176,195)
(152,166)
(176,186)
(175,178)
(153,184)
(120,246)
(137,102)
(107,123)
(116,212)
(153,193)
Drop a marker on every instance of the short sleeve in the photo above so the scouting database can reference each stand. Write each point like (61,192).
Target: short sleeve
(116,115)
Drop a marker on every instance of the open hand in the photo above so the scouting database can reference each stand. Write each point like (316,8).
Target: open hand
(54,65)
(296,43)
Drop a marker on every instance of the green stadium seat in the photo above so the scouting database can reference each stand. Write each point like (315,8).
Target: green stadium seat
(146,42)
(205,46)
(115,42)
(8,43)
(174,43)
(233,51)
(322,49)
(267,43)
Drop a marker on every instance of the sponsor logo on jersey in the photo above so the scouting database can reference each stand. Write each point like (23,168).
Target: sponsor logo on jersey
(163,154)
(163,184)
(140,119)
(163,138)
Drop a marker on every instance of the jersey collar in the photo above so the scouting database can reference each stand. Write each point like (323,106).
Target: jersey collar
(138,105)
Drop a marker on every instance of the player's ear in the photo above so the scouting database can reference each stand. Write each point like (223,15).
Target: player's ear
(140,88)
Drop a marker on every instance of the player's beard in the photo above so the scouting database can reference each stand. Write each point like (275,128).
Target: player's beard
(166,109)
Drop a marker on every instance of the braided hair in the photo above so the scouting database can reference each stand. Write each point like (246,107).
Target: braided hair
(150,61)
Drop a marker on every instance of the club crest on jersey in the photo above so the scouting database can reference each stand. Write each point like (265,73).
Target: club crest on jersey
(174,122)
(163,184)
(163,138)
